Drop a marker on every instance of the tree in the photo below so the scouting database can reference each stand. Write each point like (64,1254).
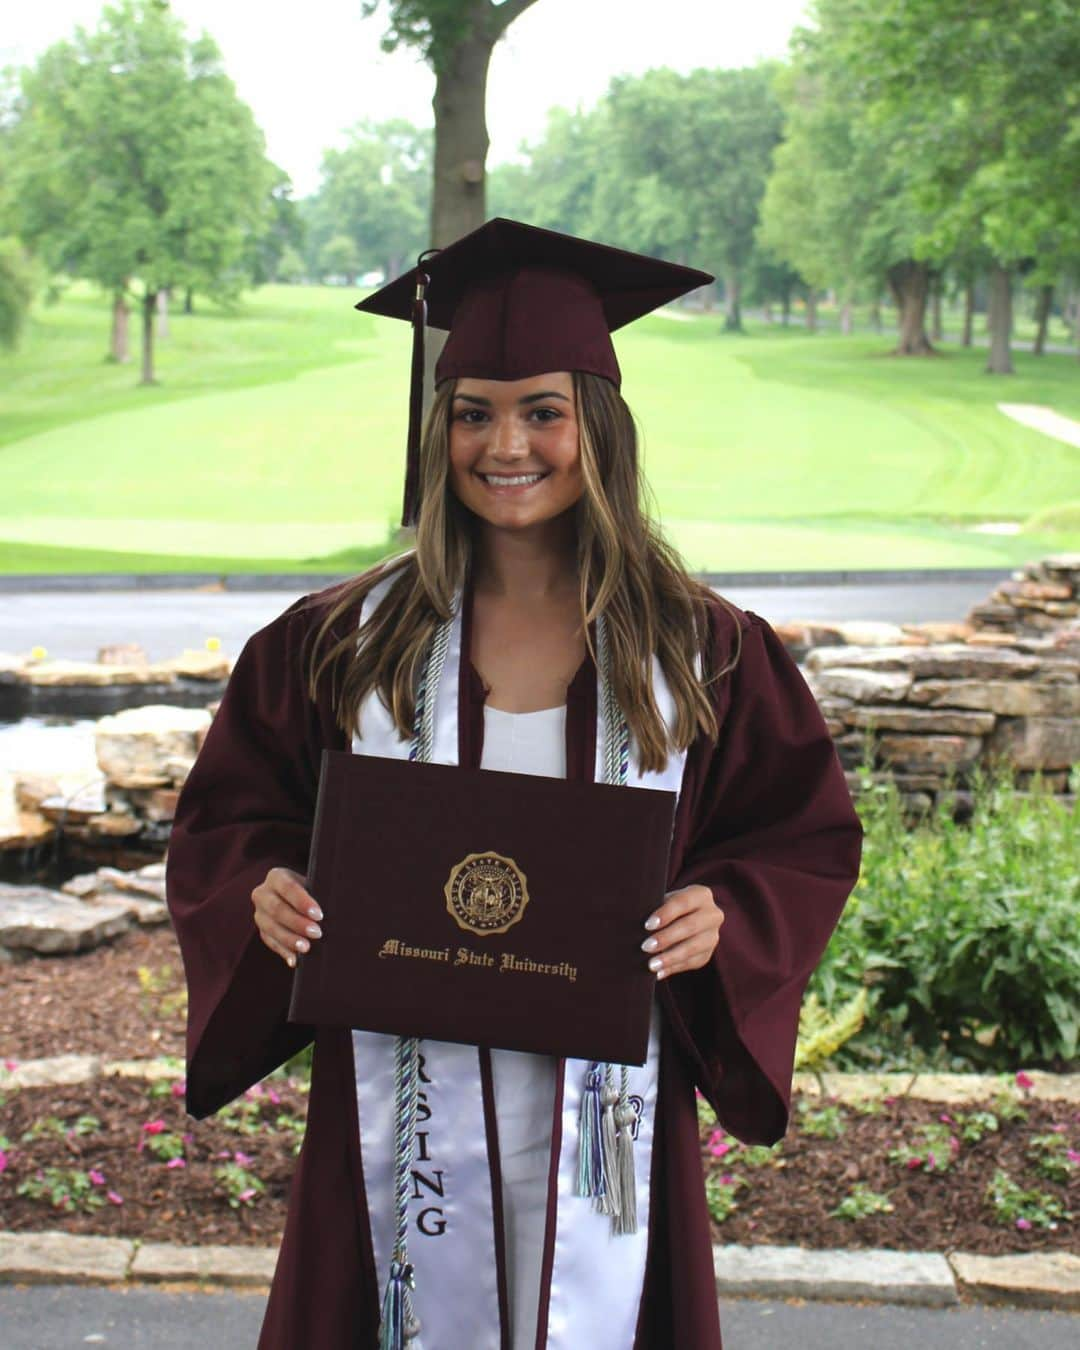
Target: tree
(375,190)
(340,258)
(134,159)
(707,140)
(456,39)
(839,205)
(985,100)
(16,290)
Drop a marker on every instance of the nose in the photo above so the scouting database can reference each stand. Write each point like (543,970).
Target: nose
(510,440)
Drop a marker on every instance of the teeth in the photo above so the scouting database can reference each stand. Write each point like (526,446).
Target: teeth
(517,480)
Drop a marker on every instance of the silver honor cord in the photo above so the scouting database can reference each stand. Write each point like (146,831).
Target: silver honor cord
(399,1324)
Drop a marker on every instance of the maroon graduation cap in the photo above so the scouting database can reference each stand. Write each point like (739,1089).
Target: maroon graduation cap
(520,301)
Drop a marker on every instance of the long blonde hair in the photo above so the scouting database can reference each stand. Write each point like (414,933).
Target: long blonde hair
(627,572)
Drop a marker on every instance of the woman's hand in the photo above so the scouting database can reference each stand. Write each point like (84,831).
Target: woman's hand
(285,914)
(685,931)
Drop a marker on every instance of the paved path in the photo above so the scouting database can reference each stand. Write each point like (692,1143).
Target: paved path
(1043,419)
(66,1317)
(74,625)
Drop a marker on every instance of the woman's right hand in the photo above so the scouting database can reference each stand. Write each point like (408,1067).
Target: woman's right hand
(285,914)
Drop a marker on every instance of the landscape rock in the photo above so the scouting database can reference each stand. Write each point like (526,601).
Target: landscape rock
(89,674)
(951,660)
(922,1278)
(1010,698)
(1033,1279)
(135,747)
(920,752)
(233,1266)
(24,829)
(922,720)
(52,1071)
(61,1258)
(1037,742)
(33,918)
(864,686)
(122,654)
(196,665)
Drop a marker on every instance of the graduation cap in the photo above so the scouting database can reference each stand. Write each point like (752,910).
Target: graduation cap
(520,301)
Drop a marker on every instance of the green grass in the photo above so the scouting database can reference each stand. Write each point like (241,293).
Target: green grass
(274,442)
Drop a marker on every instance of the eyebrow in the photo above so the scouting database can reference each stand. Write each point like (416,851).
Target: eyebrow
(529,398)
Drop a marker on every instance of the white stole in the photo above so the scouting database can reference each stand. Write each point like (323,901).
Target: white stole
(596,1278)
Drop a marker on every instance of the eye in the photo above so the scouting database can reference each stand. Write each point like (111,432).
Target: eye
(471,416)
(546,414)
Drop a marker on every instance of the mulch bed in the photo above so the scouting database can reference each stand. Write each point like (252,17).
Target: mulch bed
(95,1003)
(100,1003)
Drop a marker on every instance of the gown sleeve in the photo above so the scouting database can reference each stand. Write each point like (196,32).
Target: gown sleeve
(775,836)
(248,805)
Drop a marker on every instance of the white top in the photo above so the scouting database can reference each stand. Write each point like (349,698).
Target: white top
(524,1083)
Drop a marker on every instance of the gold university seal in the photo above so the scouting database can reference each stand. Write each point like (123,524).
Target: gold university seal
(486,893)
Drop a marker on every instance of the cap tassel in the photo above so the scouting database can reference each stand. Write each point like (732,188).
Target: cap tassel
(410,509)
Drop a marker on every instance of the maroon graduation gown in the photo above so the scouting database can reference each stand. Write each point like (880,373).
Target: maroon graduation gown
(764,819)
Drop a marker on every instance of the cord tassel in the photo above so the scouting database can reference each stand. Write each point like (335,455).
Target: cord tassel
(590,1157)
(625,1119)
(608,1202)
(392,1330)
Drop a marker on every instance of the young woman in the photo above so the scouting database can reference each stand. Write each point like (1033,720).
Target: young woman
(565,627)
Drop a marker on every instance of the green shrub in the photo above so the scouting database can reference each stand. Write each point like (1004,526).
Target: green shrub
(965,934)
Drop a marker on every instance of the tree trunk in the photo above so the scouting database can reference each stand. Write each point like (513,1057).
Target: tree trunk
(189,301)
(875,314)
(969,311)
(766,312)
(1042,317)
(149,306)
(811,311)
(937,330)
(1000,318)
(733,302)
(163,313)
(908,281)
(845,318)
(785,307)
(461,138)
(118,340)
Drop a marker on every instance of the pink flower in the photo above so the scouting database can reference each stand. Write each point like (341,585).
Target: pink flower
(954,1143)
(718,1145)
(1072,1154)
(3,1161)
(154,1127)
(187,1138)
(223,1154)
(727,1180)
(889,1101)
(1023,1224)
(945,1118)
(244,1196)
(1024,1082)
(244,1159)
(931,1161)
(914,1162)
(96,1177)
(11,1065)
(176,1162)
(274,1097)
(178,1088)
(113,1198)
(254,1092)
(1059,1129)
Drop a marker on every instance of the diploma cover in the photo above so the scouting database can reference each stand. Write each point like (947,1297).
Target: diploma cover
(489,908)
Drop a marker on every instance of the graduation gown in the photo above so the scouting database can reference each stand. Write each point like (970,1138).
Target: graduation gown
(764,819)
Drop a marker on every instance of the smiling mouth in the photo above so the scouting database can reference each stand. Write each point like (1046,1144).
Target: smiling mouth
(500,480)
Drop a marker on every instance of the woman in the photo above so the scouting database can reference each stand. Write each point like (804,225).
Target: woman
(568,628)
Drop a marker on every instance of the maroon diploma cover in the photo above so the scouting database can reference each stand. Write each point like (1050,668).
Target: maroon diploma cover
(489,908)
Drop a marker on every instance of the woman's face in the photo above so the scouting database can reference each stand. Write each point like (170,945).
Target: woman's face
(514,457)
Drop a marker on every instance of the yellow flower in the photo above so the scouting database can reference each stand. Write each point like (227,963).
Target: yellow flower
(38,653)
(213,644)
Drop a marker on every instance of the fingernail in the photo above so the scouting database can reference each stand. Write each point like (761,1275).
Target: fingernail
(650,944)
(302,944)
(291,961)
(315,912)
(652,922)
(313,930)
(656,964)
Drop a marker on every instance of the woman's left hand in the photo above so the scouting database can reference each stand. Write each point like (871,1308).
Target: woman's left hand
(683,932)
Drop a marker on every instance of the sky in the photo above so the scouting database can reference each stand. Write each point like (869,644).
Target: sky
(311,71)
